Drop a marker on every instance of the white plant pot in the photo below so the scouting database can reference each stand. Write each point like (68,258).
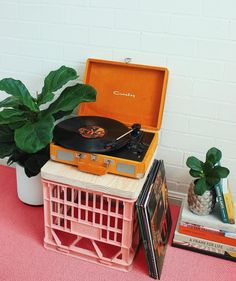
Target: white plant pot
(29,190)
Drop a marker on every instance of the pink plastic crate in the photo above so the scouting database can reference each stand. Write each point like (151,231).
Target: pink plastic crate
(90,225)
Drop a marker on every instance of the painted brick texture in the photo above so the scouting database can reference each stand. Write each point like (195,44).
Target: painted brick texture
(195,39)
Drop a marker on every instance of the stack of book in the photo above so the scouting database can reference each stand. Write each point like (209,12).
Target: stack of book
(206,234)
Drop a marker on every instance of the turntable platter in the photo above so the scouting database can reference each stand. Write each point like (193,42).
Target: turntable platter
(90,134)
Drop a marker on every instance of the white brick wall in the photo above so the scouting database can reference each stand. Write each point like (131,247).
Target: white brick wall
(195,39)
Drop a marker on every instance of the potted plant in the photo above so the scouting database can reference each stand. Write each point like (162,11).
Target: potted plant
(201,193)
(27,122)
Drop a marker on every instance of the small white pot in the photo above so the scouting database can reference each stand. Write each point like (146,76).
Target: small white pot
(29,190)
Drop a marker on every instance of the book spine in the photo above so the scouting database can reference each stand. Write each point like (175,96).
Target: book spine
(219,194)
(229,204)
(217,226)
(203,228)
(206,235)
(204,244)
(208,251)
(230,234)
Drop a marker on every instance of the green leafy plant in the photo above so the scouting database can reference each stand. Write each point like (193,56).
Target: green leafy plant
(207,173)
(26,127)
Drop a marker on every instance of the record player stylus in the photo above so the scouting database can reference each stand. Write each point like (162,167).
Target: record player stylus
(135,131)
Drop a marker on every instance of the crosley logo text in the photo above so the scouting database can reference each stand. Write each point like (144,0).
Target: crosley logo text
(118,93)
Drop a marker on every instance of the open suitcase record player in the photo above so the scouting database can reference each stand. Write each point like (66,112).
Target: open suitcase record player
(119,132)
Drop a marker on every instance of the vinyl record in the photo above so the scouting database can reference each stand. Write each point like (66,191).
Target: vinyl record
(90,134)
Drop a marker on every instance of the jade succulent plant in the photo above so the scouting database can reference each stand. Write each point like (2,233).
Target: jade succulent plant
(208,173)
(27,122)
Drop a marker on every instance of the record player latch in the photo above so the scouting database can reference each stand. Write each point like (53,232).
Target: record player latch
(98,170)
(93,167)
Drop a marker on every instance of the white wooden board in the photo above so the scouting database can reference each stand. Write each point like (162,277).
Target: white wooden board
(109,183)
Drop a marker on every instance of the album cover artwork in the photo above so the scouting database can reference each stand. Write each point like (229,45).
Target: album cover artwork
(155,218)
(143,223)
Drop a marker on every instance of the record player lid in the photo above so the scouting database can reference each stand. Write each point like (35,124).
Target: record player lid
(129,93)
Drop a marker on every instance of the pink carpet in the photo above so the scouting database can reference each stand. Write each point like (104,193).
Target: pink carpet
(23,257)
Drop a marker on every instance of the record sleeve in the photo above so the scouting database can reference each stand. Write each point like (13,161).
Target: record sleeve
(155,218)
(143,222)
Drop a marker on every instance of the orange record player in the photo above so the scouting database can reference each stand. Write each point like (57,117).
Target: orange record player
(119,132)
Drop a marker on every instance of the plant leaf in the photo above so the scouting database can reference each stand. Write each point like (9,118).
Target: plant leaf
(195,174)
(17,125)
(212,180)
(194,163)
(54,81)
(34,163)
(17,89)
(6,134)
(6,149)
(31,162)
(220,172)
(213,155)
(201,186)
(32,137)
(10,102)
(61,114)
(72,97)
(17,156)
(8,116)
(207,168)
